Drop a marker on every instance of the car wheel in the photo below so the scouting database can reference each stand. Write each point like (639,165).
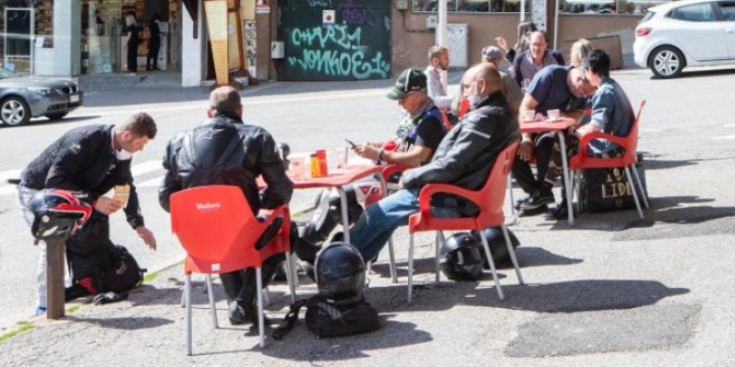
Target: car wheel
(666,62)
(14,111)
(56,116)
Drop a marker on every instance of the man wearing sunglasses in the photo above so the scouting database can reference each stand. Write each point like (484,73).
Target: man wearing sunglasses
(554,87)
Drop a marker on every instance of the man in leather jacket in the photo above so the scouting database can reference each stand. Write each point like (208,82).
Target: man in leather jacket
(464,158)
(90,161)
(226,151)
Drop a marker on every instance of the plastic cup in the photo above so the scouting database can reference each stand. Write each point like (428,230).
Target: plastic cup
(553,114)
(529,115)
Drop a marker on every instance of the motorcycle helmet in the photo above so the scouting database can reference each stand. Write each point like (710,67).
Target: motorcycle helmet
(340,273)
(57,214)
(461,257)
(496,242)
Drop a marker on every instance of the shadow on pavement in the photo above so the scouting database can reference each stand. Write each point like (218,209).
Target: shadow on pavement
(572,296)
(527,257)
(125,323)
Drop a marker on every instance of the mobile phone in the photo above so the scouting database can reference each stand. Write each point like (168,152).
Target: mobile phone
(351,143)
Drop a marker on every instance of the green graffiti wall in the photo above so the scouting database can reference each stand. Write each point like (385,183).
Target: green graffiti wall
(356,46)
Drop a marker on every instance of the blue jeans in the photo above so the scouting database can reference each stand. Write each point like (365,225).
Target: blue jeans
(375,226)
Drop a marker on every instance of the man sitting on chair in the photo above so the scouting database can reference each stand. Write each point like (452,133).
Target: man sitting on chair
(226,151)
(464,158)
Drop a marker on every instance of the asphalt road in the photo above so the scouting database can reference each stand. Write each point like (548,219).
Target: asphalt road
(687,133)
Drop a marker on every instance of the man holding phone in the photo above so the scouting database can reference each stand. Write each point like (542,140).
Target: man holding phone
(419,133)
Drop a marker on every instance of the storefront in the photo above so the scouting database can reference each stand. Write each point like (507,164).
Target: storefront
(73,37)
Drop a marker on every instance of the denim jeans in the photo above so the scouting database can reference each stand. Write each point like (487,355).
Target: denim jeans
(375,226)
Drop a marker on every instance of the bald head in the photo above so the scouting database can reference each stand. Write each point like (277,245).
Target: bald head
(225,100)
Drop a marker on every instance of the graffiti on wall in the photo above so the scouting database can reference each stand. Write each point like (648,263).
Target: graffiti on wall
(336,51)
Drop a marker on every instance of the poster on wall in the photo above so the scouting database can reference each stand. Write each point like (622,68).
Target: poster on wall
(216,12)
(250,45)
(247,9)
(538,14)
(262,6)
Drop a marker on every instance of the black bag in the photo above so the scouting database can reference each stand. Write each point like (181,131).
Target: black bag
(607,189)
(122,275)
(329,320)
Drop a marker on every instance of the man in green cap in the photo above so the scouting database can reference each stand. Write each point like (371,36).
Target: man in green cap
(418,135)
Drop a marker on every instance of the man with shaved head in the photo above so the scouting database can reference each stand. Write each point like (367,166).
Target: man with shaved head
(464,158)
(226,151)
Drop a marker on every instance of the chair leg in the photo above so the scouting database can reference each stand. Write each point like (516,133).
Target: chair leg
(635,194)
(640,187)
(392,255)
(410,267)
(187,300)
(210,292)
(512,253)
(510,196)
(578,188)
(439,244)
(261,321)
(290,277)
(266,296)
(490,261)
(183,299)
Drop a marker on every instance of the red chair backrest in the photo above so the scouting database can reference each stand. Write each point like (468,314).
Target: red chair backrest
(216,227)
(632,145)
(493,193)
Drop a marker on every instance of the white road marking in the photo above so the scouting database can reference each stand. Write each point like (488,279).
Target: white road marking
(729,137)
(729,125)
(13,173)
(145,167)
(154,182)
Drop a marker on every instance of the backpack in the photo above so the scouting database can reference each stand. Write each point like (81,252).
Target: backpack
(122,275)
(328,320)
(607,189)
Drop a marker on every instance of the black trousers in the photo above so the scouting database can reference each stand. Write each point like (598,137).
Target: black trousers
(542,150)
(132,57)
(241,285)
(152,58)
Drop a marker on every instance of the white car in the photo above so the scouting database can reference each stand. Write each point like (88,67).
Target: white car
(685,33)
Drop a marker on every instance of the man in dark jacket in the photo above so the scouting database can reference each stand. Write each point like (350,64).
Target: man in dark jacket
(464,158)
(226,151)
(90,160)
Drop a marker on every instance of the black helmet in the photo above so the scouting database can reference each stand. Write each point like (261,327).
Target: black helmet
(496,242)
(57,213)
(461,257)
(340,273)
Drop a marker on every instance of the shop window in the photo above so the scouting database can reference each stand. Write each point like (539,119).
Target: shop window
(472,6)
(607,7)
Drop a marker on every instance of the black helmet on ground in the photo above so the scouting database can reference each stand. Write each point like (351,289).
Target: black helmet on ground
(496,242)
(57,214)
(461,257)
(340,273)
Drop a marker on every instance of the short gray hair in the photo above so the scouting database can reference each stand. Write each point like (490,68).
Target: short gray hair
(225,100)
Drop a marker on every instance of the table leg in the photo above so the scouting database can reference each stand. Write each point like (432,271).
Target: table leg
(565,173)
(345,214)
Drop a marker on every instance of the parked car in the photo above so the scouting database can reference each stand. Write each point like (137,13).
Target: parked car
(685,33)
(24,97)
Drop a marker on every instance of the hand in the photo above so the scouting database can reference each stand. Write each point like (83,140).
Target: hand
(106,205)
(147,236)
(366,150)
(525,151)
(502,43)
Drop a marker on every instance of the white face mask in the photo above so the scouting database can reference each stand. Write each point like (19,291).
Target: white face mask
(123,155)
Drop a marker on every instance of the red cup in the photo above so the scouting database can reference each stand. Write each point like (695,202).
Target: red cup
(321,155)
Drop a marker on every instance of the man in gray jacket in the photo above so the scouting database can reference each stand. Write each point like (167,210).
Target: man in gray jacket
(464,158)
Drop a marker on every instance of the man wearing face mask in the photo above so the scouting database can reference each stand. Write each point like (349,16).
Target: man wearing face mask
(555,87)
(464,158)
(89,160)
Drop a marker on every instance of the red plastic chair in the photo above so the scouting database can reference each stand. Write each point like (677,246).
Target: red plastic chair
(218,230)
(489,199)
(582,160)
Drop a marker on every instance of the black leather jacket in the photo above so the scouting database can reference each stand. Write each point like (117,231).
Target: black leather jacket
(83,160)
(468,151)
(226,151)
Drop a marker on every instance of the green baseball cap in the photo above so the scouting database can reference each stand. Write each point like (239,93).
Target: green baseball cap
(409,81)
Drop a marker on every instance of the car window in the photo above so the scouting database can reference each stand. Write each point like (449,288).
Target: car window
(728,11)
(648,16)
(694,13)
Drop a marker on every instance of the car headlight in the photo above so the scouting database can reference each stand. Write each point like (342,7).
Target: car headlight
(41,90)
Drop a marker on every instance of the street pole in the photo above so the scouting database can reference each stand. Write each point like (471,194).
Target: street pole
(55,300)
(442,35)
(556,25)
